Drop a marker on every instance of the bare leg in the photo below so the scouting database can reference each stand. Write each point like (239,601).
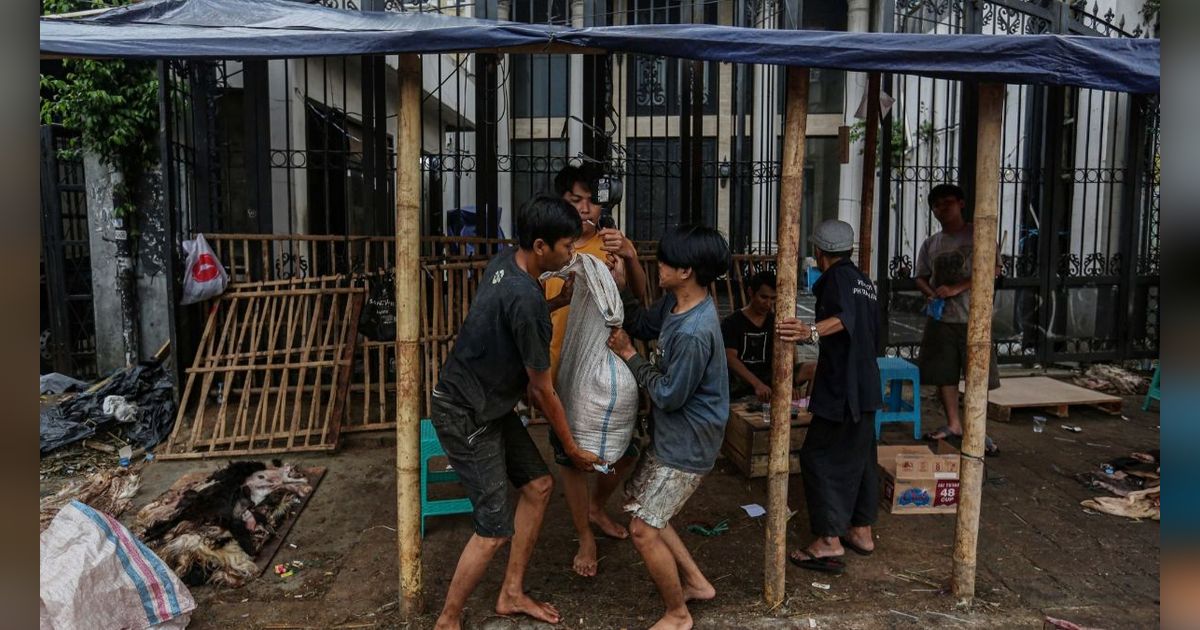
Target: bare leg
(575,487)
(663,569)
(527,525)
(606,485)
(695,585)
(949,396)
(471,565)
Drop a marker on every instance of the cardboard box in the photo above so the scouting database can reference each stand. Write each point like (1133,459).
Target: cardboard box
(918,479)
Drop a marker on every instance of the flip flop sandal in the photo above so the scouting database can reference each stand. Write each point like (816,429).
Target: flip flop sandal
(849,544)
(814,563)
(945,432)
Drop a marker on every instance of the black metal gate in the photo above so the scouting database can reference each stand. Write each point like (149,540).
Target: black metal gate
(306,145)
(68,331)
(1078,194)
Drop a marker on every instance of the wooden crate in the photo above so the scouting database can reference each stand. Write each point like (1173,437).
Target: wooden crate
(748,438)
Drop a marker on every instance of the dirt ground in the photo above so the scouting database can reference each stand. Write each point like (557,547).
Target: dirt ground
(1040,553)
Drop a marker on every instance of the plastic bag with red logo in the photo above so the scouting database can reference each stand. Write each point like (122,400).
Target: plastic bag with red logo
(204,276)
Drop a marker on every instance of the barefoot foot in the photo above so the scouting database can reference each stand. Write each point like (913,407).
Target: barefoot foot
(674,621)
(700,592)
(611,528)
(585,563)
(522,604)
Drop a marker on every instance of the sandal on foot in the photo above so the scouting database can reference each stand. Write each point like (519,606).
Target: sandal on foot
(817,563)
(852,546)
(941,434)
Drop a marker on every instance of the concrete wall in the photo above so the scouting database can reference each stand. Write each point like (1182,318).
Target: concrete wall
(153,291)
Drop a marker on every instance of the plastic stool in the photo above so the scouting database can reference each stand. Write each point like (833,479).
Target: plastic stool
(893,373)
(1152,393)
(811,275)
(430,448)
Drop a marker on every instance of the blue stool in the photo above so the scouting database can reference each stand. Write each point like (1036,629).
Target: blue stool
(430,448)
(1153,393)
(812,274)
(893,373)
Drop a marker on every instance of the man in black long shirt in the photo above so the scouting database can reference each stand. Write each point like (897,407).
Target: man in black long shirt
(838,460)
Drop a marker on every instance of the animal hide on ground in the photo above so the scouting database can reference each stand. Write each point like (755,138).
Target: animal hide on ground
(1112,379)
(208,527)
(109,491)
(1140,504)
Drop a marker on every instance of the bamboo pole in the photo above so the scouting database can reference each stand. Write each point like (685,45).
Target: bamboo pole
(979,336)
(408,332)
(791,194)
(866,212)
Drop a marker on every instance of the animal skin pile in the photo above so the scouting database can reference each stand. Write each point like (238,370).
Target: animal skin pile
(1134,480)
(109,491)
(208,527)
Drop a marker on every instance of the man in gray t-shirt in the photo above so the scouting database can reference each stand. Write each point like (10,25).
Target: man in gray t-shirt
(944,277)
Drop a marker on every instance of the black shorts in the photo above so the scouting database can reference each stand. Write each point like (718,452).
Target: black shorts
(486,457)
(943,358)
(560,455)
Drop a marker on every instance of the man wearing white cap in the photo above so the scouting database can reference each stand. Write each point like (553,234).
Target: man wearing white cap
(838,457)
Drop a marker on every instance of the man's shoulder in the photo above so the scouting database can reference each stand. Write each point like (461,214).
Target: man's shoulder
(733,319)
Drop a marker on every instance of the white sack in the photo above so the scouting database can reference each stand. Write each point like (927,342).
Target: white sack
(596,387)
(96,574)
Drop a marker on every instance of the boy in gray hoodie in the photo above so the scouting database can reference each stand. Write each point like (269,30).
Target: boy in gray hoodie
(688,383)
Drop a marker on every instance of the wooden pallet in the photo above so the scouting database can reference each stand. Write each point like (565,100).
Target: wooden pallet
(270,374)
(747,439)
(1045,394)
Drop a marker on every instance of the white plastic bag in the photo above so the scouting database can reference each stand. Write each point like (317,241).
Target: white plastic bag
(204,276)
(597,389)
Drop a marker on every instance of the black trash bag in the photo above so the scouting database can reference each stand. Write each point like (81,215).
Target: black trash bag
(147,385)
(55,383)
(378,319)
(57,431)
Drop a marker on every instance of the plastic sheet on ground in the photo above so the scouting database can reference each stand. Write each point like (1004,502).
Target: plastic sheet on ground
(146,386)
(55,383)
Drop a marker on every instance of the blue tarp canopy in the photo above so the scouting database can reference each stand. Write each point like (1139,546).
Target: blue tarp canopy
(278,29)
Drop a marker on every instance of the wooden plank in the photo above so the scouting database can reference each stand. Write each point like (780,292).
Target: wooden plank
(1043,391)
(267,553)
(342,377)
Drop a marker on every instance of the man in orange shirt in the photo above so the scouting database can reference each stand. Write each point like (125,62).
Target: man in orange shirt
(587,506)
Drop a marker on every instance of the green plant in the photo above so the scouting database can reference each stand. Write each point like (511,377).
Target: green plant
(113,105)
(899,142)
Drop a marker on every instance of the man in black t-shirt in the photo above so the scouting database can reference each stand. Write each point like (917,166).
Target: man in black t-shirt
(502,351)
(749,334)
(838,459)
(749,339)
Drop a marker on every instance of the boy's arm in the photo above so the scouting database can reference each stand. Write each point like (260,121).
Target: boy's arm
(667,391)
(645,323)
(545,398)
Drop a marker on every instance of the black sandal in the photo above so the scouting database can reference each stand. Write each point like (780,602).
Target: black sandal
(849,544)
(815,563)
